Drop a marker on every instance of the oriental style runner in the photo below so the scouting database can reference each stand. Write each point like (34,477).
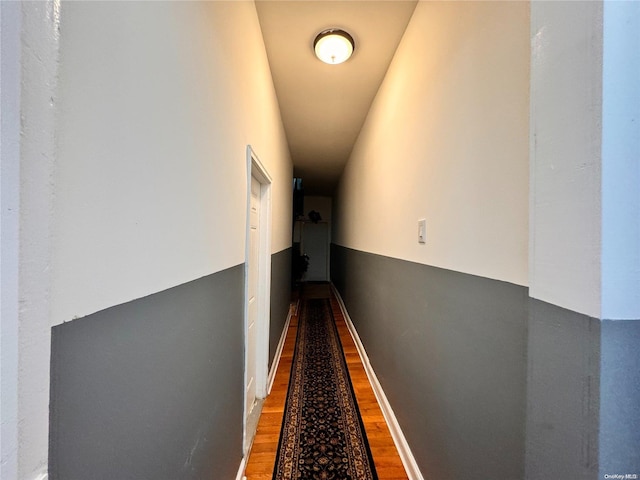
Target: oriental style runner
(322,435)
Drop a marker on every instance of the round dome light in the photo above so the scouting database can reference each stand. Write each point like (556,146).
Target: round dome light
(333,46)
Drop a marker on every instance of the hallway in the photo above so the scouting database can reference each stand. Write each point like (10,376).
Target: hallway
(262,459)
(478,164)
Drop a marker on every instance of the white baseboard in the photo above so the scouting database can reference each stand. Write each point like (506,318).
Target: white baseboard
(293,309)
(408,460)
(240,474)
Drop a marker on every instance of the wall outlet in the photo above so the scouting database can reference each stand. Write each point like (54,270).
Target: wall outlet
(422,231)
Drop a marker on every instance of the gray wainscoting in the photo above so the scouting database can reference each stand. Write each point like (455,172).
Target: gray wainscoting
(151,389)
(620,399)
(450,352)
(563,385)
(488,384)
(280,297)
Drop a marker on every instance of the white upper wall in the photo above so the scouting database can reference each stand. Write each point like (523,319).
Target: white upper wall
(621,161)
(566,106)
(447,140)
(158,101)
(585,157)
(32,58)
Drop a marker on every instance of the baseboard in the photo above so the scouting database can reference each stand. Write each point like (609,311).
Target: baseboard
(408,460)
(293,309)
(240,474)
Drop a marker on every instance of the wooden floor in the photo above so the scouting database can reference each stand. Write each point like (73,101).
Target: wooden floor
(263,453)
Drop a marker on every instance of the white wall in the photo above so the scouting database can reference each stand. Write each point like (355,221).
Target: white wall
(317,238)
(447,140)
(323,205)
(25,382)
(585,157)
(157,104)
(135,121)
(621,161)
(566,106)
(10,22)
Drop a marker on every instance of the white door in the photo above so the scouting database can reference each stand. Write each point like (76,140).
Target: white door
(316,246)
(257,293)
(252,296)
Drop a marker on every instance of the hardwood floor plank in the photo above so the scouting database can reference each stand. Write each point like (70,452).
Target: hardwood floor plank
(263,452)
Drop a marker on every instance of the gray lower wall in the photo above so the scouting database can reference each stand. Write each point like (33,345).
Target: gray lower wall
(620,399)
(450,352)
(151,389)
(563,378)
(280,297)
(487,383)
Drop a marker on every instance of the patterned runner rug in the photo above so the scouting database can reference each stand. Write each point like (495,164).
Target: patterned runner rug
(322,435)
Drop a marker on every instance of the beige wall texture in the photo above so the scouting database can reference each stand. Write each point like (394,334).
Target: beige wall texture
(154,120)
(447,140)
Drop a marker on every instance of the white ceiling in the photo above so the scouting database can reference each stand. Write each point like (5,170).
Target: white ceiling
(324,106)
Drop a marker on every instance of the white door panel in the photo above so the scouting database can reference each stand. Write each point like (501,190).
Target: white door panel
(252,306)
(257,293)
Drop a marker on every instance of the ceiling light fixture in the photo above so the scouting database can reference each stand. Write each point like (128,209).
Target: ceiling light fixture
(333,46)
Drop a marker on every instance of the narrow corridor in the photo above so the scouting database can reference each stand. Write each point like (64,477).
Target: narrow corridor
(482,165)
(262,458)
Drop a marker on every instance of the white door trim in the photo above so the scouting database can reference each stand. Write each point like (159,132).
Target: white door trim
(256,169)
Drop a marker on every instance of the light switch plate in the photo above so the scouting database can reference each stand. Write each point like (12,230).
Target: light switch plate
(422,231)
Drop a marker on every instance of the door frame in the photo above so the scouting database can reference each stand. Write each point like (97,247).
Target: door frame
(256,169)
